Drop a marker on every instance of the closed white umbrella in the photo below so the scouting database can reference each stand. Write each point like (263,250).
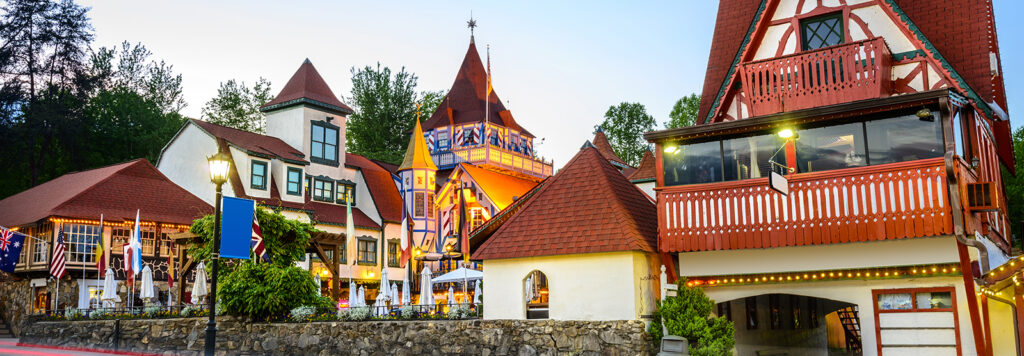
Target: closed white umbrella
(478,294)
(426,288)
(199,286)
(361,297)
(316,282)
(380,304)
(110,289)
(395,301)
(353,293)
(384,282)
(529,288)
(146,292)
(451,295)
(406,297)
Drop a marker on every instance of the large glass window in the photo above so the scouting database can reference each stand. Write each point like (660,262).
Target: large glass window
(148,242)
(367,251)
(748,157)
(822,31)
(324,143)
(118,238)
(904,138)
(294,181)
(40,247)
(832,147)
(695,163)
(259,175)
(323,190)
(81,242)
(393,253)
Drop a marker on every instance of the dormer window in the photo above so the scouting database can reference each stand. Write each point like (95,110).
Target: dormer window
(259,175)
(323,190)
(822,31)
(346,192)
(294,181)
(324,143)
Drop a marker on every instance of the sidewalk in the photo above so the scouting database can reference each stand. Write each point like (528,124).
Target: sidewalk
(13,347)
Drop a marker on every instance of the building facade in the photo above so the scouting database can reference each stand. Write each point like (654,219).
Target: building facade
(842,189)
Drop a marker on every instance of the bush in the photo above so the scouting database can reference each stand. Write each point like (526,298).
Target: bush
(72,313)
(358,314)
(304,313)
(342,314)
(261,290)
(408,312)
(153,311)
(458,312)
(688,314)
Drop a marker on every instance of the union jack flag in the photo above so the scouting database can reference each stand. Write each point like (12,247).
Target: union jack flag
(258,248)
(528,147)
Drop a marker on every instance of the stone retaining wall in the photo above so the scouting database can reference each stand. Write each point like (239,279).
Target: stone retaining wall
(185,336)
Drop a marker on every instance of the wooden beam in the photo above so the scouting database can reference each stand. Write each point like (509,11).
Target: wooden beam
(335,284)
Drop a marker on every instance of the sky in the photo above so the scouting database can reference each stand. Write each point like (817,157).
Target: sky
(558,65)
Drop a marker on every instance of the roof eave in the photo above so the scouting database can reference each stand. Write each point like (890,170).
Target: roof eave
(307,101)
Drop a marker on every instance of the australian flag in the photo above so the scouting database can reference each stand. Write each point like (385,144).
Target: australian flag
(11,244)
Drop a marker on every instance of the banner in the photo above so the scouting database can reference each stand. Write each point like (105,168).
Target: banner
(236,227)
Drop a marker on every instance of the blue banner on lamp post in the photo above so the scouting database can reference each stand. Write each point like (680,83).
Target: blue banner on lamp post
(236,228)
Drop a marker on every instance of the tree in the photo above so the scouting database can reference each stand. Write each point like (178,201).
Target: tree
(684,112)
(429,101)
(688,314)
(385,109)
(1014,185)
(625,125)
(238,105)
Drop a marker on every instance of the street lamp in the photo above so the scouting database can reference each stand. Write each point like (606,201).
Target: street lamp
(220,164)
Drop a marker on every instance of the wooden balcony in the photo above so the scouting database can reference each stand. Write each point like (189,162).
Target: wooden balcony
(832,75)
(497,157)
(891,201)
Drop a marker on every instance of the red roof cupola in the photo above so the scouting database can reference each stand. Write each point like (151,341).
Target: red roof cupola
(307,87)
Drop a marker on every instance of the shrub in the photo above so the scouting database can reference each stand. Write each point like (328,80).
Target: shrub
(72,313)
(408,312)
(458,312)
(152,311)
(358,314)
(260,290)
(342,314)
(304,313)
(688,314)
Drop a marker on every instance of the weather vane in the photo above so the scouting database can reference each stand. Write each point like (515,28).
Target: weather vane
(471,24)
(418,111)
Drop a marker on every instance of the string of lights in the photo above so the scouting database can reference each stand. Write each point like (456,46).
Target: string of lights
(126,223)
(932,270)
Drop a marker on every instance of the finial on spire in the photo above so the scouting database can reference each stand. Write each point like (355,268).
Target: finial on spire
(418,111)
(471,24)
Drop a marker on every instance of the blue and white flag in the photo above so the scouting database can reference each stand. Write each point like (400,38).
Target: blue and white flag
(11,244)
(236,227)
(136,245)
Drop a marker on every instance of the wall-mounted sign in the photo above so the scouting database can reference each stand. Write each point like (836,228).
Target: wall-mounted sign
(779,183)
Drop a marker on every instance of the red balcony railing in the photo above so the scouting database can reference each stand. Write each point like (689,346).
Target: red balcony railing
(891,201)
(832,75)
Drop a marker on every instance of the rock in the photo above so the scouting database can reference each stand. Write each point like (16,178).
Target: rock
(527,350)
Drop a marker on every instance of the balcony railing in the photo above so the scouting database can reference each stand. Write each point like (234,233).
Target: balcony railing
(494,156)
(832,75)
(890,201)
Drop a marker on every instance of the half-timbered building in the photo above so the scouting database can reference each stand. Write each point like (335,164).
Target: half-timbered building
(842,187)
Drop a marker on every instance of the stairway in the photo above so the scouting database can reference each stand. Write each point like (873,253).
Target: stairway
(5,330)
(851,323)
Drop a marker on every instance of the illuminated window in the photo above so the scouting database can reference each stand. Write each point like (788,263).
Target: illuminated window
(81,242)
(367,253)
(430,205)
(419,205)
(535,286)
(393,253)
(118,238)
(346,193)
(148,242)
(40,247)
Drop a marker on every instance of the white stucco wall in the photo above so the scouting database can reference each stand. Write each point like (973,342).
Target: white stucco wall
(598,286)
(647,188)
(292,125)
(184,162)
(279,170)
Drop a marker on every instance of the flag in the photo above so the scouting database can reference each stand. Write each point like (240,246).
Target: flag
(430,142)
(170,266)
(490,88)
(136,244)
(446,222)
(350,233)
(11,244)
(404,240)
(59,260)
(101,263)
(258,248)
(129,272)
(236,227)
(462,221)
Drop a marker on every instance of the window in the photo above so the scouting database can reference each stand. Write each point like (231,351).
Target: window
(750,304)
(695,163)
(40,247)
(725,310)
(774,311)
(913,300)
(831,147)
(148,242)
(294,181)
(118,238)
(476,218)
(904,138)
(822,31)
(794,306)
(960,137)
(430,205)
(324,143)
(747,157)
(535,286)
(367,252)
(259,175)
(346,191)
(81,242)
(418,205)
(442,140)
(393,254)
(323,190)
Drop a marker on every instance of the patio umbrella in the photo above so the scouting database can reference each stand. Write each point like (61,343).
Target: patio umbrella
(395,301)
(384,285)
(199,286)
(352,294)
(316,282)
(451,295)
(426,288)
(478,294)
(380,305)
(361,298)
(110,289)
(529,288)
(146,292)
(406,295)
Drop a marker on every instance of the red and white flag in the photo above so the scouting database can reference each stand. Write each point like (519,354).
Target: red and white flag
(258,248)
(129,274)
(59,260)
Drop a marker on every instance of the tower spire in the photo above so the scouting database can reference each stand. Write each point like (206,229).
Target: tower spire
(471,24)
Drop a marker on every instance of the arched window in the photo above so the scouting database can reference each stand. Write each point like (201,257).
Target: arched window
(535,290)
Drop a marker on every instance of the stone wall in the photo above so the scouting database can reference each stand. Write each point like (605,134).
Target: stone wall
(185,336)
(15,302)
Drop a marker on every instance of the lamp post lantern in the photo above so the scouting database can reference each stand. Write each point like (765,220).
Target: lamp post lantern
(220,164)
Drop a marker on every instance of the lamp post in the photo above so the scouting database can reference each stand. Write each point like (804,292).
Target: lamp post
(220,164)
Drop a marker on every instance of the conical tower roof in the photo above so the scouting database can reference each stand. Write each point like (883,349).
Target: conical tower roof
(417,156)
(307,86)
(467,99)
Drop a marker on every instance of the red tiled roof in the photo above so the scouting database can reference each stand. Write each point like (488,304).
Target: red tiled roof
(466,99)
(587,207)
(390,167)
(114,191)
(602,145)
(646,169)
(322,212)
(731,25)
(307,83)
(382,186)
(253,142)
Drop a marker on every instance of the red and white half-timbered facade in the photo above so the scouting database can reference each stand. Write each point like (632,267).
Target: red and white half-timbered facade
(842,189)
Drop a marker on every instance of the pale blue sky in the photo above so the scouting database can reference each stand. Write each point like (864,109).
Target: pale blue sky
(558,65)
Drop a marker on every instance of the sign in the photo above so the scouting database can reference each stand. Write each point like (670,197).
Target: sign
(236,227)
(779,183)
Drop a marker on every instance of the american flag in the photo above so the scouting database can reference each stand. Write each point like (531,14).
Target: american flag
(258,248)
(59,260)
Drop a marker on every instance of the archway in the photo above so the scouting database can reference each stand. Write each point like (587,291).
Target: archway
(790,324)
(535,293)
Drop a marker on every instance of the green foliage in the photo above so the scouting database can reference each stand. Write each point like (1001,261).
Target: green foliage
(684,112)
(429,101)
(258,290)
(688,314)
(1014,185)
(385,104)
(286,240)
(625,124)
(238,105)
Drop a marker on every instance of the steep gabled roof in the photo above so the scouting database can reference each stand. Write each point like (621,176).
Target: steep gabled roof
(416,155)
(646,170)
(587,207)
(602,145)
(734,21)
(466,100)
(381,185)
(307,86)
(500,188)
(114,191)
(254,143)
